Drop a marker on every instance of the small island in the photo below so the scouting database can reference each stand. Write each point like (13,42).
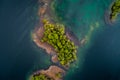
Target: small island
(115,10)
(58,42)
(52,38)
(53,73)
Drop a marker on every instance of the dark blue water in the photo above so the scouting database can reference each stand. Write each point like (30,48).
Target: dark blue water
(19,56)
(102,59)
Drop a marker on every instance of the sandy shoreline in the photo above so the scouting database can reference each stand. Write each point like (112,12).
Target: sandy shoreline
(37,36)
(38,33)
(52,72)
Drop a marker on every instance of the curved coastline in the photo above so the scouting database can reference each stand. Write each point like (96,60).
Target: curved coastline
(38,33)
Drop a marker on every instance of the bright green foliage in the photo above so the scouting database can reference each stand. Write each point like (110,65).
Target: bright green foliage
(115,9)
(59,75)
(41,77)
(55,35)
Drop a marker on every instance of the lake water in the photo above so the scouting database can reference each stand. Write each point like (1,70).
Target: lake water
(97,60)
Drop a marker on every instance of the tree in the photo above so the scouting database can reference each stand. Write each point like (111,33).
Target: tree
(55,35)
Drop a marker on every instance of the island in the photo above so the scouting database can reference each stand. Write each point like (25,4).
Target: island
(58,41)
(53,73)
(115,10)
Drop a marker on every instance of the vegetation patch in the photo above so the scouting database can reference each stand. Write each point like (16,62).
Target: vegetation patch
(41,77)
(54,35)
(115,10)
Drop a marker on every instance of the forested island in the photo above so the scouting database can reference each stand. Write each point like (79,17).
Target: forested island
(57,41)
(54,34)
(115,10)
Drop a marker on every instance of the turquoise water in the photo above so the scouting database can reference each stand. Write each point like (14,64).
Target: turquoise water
(98,59)
(81,14)
(86,18)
